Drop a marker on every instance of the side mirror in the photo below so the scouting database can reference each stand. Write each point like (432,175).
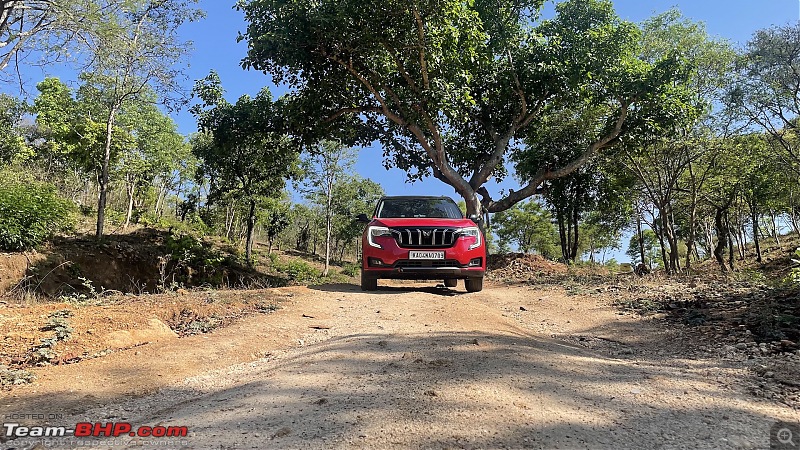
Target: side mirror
(363,218)
(475,218)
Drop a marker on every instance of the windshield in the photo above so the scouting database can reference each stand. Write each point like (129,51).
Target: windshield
(435,208)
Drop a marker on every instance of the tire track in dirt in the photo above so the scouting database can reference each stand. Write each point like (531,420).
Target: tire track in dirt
(419,367)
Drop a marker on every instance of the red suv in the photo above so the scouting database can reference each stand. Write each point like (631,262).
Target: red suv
(422,238)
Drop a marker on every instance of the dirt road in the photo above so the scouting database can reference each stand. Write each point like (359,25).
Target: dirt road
(413,366)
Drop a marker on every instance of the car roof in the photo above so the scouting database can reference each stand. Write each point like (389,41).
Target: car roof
(401,197)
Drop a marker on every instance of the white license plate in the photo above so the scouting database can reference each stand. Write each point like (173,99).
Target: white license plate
(425,255)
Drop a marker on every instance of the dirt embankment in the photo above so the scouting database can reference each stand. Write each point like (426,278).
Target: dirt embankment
(139,262)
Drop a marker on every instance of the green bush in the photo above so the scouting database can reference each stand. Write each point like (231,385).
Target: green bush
(192,262)
(351,270)
(298,270)
(30,213)
(193,223)
(115,216)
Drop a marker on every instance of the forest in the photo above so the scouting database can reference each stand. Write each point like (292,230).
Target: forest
(654,138)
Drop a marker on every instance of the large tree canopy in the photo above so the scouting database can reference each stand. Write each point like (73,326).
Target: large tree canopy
(450,86)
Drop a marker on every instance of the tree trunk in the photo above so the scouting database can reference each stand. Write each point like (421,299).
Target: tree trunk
(178,192)
(793,218)
(640,234)
(251,226)
(328,228)
(669,234)
(131,189)
(775,231)
(743,240)
(756,240)
(662,244)
(562,234)
(691,238)
(575,237)
(736,232)
(722,239)
(731,262)
(162,194)
(104,175)
(230,216)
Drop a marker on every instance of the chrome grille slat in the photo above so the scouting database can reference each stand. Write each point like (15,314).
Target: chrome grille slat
(425,237)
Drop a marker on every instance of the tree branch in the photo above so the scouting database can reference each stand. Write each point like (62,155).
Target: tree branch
(545,174)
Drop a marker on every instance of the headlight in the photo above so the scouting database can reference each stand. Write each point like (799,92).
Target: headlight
(373,232)
(473,232)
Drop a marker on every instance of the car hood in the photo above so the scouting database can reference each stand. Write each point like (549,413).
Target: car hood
(422,222)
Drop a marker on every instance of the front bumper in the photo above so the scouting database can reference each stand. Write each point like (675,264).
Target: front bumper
(392,261)
(423,273)
(427,270)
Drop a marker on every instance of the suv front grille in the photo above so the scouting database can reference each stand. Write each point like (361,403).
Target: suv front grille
(423,237)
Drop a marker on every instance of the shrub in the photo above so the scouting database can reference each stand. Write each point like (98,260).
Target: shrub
(193,223)
(351,270)
(30,213)
(794,273)
(298,270)
(192,262)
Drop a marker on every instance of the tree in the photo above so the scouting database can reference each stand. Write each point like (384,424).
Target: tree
(137,53)
(648,241)
(158,151)
(671,162)
(449,86)
(599,234)
(325,167)
(594,185)
(13,140)
(51,28)
(70,131)
(353,195)
(766,90)
(529,227)
(246,152)
(721,191)
(276,218)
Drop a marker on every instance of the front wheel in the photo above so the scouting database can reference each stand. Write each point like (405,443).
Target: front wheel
(474,284)
(368,283)
(451,282)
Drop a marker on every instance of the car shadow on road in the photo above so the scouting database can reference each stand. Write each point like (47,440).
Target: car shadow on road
(438,289)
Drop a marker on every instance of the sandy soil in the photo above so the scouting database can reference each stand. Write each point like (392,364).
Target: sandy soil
(412,366)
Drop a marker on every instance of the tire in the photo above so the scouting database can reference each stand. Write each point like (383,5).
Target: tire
(474,284)
(451,282)
(368,283)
